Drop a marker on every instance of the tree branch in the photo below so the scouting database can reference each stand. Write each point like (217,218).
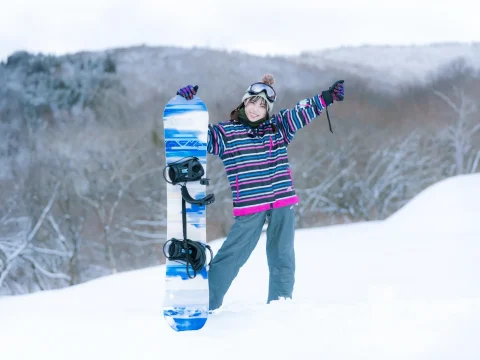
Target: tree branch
(39,223)
(143,234)
(45,272)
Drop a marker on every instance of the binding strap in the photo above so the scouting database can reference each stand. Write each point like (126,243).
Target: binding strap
(207,200)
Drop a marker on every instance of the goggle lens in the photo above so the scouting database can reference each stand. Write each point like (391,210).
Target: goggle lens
(257,88)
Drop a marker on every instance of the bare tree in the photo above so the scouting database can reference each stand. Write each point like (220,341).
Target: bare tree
(321,182)
(459,135)
(22,253)
(70,225)
(106,189)
(357,182)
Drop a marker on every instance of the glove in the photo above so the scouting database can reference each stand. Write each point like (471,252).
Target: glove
(188,92)
(334,93)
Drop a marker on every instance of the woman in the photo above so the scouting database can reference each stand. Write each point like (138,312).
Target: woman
(253,146)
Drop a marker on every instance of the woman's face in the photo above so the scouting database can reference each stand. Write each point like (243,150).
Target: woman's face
(255,109)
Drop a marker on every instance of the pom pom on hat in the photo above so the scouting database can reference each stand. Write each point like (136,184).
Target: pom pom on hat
(266,79)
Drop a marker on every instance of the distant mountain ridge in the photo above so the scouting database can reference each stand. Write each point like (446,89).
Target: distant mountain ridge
(387,66)
(45,88)
(148,70)
(396,65)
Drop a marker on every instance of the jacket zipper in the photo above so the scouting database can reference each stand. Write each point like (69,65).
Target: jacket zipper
(237,185)
(290,175)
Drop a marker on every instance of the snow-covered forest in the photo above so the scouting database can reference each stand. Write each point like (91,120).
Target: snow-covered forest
(81,145)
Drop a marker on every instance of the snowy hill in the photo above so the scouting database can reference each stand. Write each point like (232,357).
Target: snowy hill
(403,288)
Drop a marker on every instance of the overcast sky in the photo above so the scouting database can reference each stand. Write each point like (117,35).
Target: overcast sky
(259,27)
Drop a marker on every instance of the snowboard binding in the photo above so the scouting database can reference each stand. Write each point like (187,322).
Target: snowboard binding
(185,170)
(188,251)
(192,253)
(190,169)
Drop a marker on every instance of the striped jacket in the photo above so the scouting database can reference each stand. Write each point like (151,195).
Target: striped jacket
(256,159)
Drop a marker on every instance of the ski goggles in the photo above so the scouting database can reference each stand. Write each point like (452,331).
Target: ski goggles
(258,87)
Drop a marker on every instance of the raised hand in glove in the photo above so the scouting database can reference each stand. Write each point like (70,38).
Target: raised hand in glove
(336,92)
(188,92)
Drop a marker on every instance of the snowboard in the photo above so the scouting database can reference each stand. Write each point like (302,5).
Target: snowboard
(186,297)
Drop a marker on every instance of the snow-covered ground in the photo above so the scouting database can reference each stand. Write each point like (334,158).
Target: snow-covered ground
(403,288)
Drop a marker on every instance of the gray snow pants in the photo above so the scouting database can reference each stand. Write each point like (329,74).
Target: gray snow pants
(241,241)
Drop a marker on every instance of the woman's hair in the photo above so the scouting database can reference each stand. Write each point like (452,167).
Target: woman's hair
(253,99)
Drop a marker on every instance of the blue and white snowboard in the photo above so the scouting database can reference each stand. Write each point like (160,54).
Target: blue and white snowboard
(185,304)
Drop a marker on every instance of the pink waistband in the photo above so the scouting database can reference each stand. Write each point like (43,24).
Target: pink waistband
(264,207)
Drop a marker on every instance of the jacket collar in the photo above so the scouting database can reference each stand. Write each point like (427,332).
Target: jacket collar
(266,127)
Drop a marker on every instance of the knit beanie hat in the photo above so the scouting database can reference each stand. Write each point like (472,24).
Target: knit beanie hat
(266,79)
